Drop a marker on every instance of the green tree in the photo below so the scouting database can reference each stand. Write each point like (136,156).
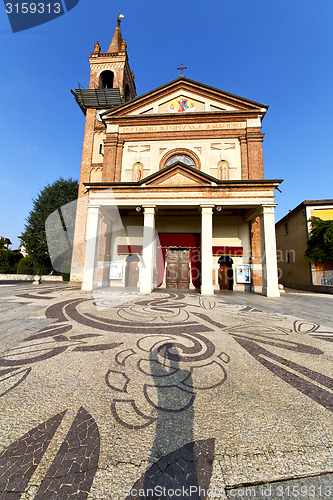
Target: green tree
(51,198)
(320,244)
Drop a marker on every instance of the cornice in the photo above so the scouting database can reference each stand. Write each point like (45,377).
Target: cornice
(190,135)
(181,118)
(199,89)
(230,184)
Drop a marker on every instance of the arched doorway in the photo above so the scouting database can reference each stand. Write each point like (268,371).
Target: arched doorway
(225,273)
(132,271)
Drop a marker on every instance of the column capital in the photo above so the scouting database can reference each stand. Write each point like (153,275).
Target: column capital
(268,209)
(149,209)
(242,139)
(207,209)
(111,139)
(94,208)
(254,136)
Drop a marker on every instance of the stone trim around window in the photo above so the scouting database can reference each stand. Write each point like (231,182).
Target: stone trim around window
(180,151)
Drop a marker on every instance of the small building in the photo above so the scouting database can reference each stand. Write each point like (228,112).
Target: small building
(292,234)
(172,190)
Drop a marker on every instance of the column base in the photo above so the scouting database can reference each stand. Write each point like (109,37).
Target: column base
(146,288)
(88,287)
(207,290)
(270,292)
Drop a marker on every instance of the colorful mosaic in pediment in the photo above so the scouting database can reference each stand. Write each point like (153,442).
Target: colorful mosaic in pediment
(181,104)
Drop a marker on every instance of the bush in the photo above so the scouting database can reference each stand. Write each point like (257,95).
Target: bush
(65,276)
(25,266)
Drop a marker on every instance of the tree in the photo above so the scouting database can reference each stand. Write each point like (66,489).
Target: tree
(51,198)
(320,244)
(8,259)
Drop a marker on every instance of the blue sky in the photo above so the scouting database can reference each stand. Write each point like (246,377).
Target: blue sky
(277,52)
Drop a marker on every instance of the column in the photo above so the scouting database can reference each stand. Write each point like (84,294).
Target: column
(244,157)
(119,160)
(268,253)
(92,244)
(255,157)
(148,252)
(256,265)
(207,287)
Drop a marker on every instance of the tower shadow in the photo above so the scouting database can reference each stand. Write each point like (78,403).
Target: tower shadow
(173,471)
(182,467)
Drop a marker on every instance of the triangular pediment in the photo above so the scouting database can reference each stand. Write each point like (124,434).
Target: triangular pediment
(184,96)
(178,175)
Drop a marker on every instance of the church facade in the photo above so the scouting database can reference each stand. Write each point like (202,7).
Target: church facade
(172,190)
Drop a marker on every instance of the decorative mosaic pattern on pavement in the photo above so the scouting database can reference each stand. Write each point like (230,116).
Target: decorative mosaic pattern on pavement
(128,386)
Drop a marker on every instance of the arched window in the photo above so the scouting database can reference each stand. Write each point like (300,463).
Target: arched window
(137,172)
(180,155)
(223,170)
(106,80)
(127,93)
(183,158)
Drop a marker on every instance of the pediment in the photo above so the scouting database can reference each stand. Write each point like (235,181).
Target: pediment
(178,175)
(184,96)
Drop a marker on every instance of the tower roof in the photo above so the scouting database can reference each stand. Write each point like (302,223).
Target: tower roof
(117,38)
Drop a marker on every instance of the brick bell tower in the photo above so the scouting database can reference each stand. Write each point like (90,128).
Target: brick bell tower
(111,85)
(110,70)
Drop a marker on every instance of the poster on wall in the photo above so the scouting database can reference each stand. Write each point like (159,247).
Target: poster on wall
(116,271)
(243,274)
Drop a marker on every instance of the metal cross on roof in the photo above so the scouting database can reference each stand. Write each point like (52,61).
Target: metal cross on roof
(182,67)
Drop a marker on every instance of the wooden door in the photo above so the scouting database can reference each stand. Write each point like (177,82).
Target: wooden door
(223,277)
(133,274)
(178,268)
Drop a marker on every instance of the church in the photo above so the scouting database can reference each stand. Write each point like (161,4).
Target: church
(172,191)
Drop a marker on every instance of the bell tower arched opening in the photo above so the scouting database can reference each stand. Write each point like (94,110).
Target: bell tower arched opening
(106,79)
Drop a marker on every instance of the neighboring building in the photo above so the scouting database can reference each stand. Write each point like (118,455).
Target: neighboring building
(6,241)
(183,161)
(22,248)
(292,234)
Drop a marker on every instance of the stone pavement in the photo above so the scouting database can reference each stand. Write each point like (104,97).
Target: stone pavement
(111,394)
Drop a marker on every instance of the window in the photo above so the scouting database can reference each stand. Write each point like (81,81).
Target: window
(180,155)
(286,229)
(183,158)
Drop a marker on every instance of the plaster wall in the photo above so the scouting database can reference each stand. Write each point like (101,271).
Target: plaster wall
(296,272)
(210,152)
